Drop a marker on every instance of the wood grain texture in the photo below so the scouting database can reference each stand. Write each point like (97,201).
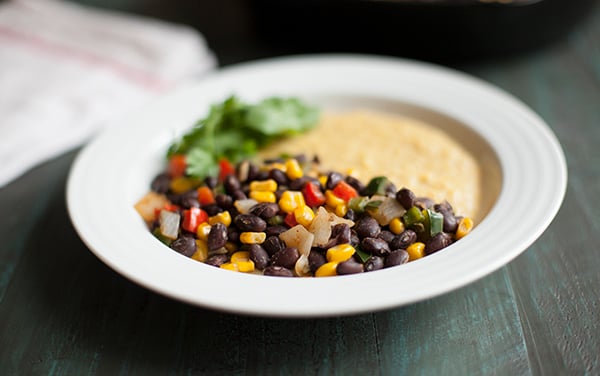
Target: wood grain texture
(63,312)
(556,281)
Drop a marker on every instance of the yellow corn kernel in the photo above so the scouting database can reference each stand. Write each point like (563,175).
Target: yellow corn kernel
(332,200)
(181,184)
(323,180)
(277,165)
(415,251)
(201,253)
(327,270)
(340,253)
(231,247)
(241,261)
(203,230)
(293,169)
(304,215)
(268,185)
(245,266)
(223,217)
(230,266)
(290,200)
(263,196)
(464,227)
(396,226)
(240,256)
(252,237)
(341,210)
(352,172)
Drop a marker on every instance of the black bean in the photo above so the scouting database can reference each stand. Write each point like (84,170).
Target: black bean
(211,181)
(450,222)
(273,244)
(259,256)
(186,245)
(403,240)
(253,172)
(161,183)
(265,210)
(224,201)
(238,195)
(355,183)
(350,215)
(233,212)
(217,237)
(279,176)
(212,209)
(315,260)
(341,234)
(231,183)
(246,171)
(217,260)
(367,227)
(386,235)
(298,184)
(438,241)
(287,257)
(174,198)
(189,199)
(249,222)
(333,178)
(315,181)
(233,235)
(424,202)
(395,258)
(349,267)
(354,239)
(406,198)
(375,246)
(277,271)
(275,230)
(443,207)
(374,263)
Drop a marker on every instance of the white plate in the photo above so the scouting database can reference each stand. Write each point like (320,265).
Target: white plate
(115,170)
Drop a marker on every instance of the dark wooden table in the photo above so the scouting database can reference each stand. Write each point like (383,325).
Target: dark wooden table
(62,311)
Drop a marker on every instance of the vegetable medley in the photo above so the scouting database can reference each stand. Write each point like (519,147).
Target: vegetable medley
(286,216)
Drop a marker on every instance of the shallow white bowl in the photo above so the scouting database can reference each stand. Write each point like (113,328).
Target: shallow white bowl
(526,170)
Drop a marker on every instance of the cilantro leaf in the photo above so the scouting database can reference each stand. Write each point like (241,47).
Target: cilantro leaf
(274,116)
(235,130)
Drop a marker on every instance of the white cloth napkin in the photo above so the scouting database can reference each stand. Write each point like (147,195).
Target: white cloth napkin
(67,71)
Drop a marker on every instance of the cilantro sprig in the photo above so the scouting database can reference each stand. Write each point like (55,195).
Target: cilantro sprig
(235,130)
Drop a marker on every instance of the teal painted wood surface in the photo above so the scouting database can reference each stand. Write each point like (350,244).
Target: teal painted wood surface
(63,312)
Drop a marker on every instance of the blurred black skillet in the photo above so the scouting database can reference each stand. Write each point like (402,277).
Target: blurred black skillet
(439,30)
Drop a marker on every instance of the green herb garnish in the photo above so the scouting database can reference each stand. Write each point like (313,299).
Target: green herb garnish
(235,130)
(364,256)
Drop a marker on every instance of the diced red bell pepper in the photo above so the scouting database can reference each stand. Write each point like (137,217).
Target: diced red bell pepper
(177,166)
(225,168)
(192,218)
(344,191)
(205,196)
(313,196)
(290,219)
(169,207)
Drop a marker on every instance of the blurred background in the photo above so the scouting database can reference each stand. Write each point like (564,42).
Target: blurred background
(442,31)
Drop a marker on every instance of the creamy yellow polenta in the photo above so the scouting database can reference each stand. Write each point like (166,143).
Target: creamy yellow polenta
(409,152)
